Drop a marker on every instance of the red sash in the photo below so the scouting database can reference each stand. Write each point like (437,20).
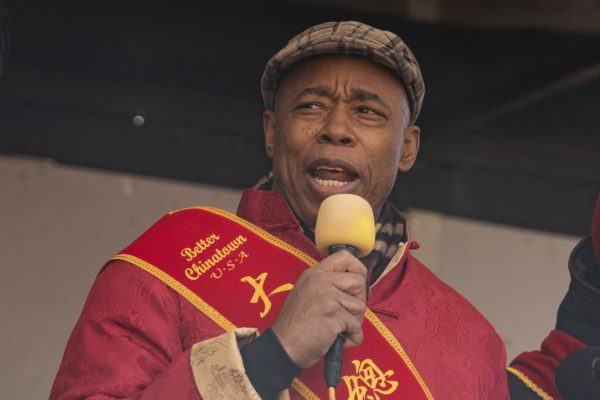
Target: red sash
(239,276)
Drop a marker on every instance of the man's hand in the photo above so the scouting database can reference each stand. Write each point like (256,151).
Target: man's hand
(328,299)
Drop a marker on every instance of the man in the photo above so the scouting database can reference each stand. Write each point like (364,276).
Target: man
(341,103)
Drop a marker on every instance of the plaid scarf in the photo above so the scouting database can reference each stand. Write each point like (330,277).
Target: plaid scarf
(390,232)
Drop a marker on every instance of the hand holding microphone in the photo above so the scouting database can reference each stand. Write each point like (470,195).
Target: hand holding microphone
(330,298)
(344,222)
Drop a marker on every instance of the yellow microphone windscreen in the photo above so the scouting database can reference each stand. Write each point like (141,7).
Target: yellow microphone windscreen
(345,219)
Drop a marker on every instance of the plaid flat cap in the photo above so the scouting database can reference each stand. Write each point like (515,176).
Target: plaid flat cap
(348,38)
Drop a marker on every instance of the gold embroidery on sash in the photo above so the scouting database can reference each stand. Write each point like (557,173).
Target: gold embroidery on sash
(369,381)
(258,284)
(213,260)
(260,232)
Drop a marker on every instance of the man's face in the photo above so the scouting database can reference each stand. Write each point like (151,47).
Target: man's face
(339,126)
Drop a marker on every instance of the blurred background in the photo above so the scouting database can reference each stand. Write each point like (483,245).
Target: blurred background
(115,112)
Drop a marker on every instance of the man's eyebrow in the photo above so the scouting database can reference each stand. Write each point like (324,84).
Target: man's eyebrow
(319,90)
(361,94)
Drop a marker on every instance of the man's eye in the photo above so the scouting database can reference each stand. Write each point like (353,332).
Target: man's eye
(308,106)
(368,111)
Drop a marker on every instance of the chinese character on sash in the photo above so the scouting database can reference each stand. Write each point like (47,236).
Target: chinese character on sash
(369,382)
(258,284)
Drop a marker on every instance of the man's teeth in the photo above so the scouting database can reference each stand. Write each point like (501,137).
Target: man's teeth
(330,168)
(330,183)
(332,177)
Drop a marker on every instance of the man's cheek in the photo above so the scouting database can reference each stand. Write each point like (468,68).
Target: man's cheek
(311,130)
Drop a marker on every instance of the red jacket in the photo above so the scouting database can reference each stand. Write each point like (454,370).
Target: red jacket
(134,335)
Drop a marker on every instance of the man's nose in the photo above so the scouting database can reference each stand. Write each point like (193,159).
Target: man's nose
(337,128)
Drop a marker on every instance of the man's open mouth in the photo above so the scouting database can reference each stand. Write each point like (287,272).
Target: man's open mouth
(332,174)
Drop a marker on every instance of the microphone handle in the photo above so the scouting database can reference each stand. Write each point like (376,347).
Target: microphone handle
(333,358)
(333,361)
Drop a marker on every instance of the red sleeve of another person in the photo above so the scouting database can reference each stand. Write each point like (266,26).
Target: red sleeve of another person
(127,342)
(539,367)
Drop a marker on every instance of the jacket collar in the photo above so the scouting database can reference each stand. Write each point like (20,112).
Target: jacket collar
(266,209)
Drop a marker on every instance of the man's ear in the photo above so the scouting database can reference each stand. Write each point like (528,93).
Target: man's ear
(269,130)
(410,148)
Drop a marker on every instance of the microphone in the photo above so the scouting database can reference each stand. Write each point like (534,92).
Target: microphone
(578,375)
(344,222)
